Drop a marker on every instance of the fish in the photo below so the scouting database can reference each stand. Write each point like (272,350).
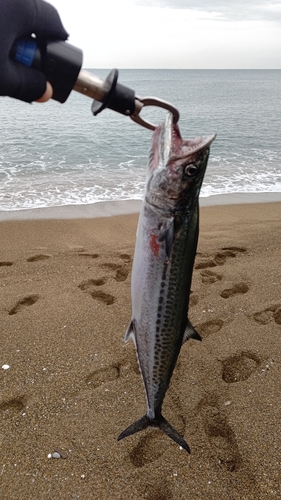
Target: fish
(165,249)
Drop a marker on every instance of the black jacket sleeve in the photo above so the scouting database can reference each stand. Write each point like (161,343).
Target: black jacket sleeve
(19,19)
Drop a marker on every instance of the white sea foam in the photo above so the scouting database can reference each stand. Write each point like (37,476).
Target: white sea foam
(87,186)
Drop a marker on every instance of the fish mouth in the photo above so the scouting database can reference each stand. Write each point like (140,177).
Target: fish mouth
(168,147)
(178,149)
(191,147)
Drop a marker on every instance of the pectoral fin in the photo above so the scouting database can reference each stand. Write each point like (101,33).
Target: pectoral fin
(166,234)
(190,333)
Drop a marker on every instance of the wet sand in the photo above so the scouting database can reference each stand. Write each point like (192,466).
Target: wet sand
(73,384)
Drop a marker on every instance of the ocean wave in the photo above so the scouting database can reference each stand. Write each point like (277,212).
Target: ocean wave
(56,190)
(60,155)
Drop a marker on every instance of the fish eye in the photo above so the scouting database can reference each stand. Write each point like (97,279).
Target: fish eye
(190,170)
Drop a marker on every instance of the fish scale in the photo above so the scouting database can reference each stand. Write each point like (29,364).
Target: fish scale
(164,256)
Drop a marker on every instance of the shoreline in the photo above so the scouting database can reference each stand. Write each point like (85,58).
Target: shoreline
(123,207)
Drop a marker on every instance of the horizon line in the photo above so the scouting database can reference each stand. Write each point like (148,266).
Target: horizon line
(187,69)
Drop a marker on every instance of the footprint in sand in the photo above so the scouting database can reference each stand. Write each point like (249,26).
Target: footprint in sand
(100,377)
(235,250)
(210,277)
(106,298)
(112,372)
(89,286)
(6,263)
(210,327)
(239,367)
(40,256)
(125,257)
(221,437)
(81,252)
(121,273)
(153,443)
(157,491)
(22,303)
(193,299)
(219,258)
(150,447)
(272,313)
(236,289)
(205,263)
(91,255)
(12,407)
(222,440)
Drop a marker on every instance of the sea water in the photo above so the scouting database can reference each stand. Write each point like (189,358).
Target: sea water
(53,155)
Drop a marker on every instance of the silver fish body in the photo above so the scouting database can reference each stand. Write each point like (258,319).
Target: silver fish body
(164,256)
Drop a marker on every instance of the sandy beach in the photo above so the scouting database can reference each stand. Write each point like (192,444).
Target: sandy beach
(70,385)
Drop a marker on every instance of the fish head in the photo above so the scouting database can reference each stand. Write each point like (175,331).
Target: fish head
(176,167)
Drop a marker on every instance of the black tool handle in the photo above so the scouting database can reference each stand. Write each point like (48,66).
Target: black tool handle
(59,61)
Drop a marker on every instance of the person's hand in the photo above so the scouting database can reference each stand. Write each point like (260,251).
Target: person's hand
(19,19)
(47,94)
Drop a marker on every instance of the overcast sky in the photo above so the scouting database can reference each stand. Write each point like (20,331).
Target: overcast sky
(175,33)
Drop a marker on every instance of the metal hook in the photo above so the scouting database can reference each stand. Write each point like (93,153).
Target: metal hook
(154,101)
(61,63)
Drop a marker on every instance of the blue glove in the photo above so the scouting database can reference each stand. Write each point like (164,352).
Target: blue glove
(21,19)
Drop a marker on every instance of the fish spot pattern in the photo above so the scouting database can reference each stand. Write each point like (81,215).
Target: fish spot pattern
(166,345)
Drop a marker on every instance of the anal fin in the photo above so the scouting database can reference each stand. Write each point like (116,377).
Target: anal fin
(130,332)
(190,333)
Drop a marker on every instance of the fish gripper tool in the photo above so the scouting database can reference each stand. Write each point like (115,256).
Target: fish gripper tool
(61,63)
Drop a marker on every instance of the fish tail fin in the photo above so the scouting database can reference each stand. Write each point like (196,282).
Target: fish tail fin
(160,422)
(166,427)
(139,425)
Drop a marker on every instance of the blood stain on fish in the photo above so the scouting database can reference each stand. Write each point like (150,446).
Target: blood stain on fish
(154,245)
